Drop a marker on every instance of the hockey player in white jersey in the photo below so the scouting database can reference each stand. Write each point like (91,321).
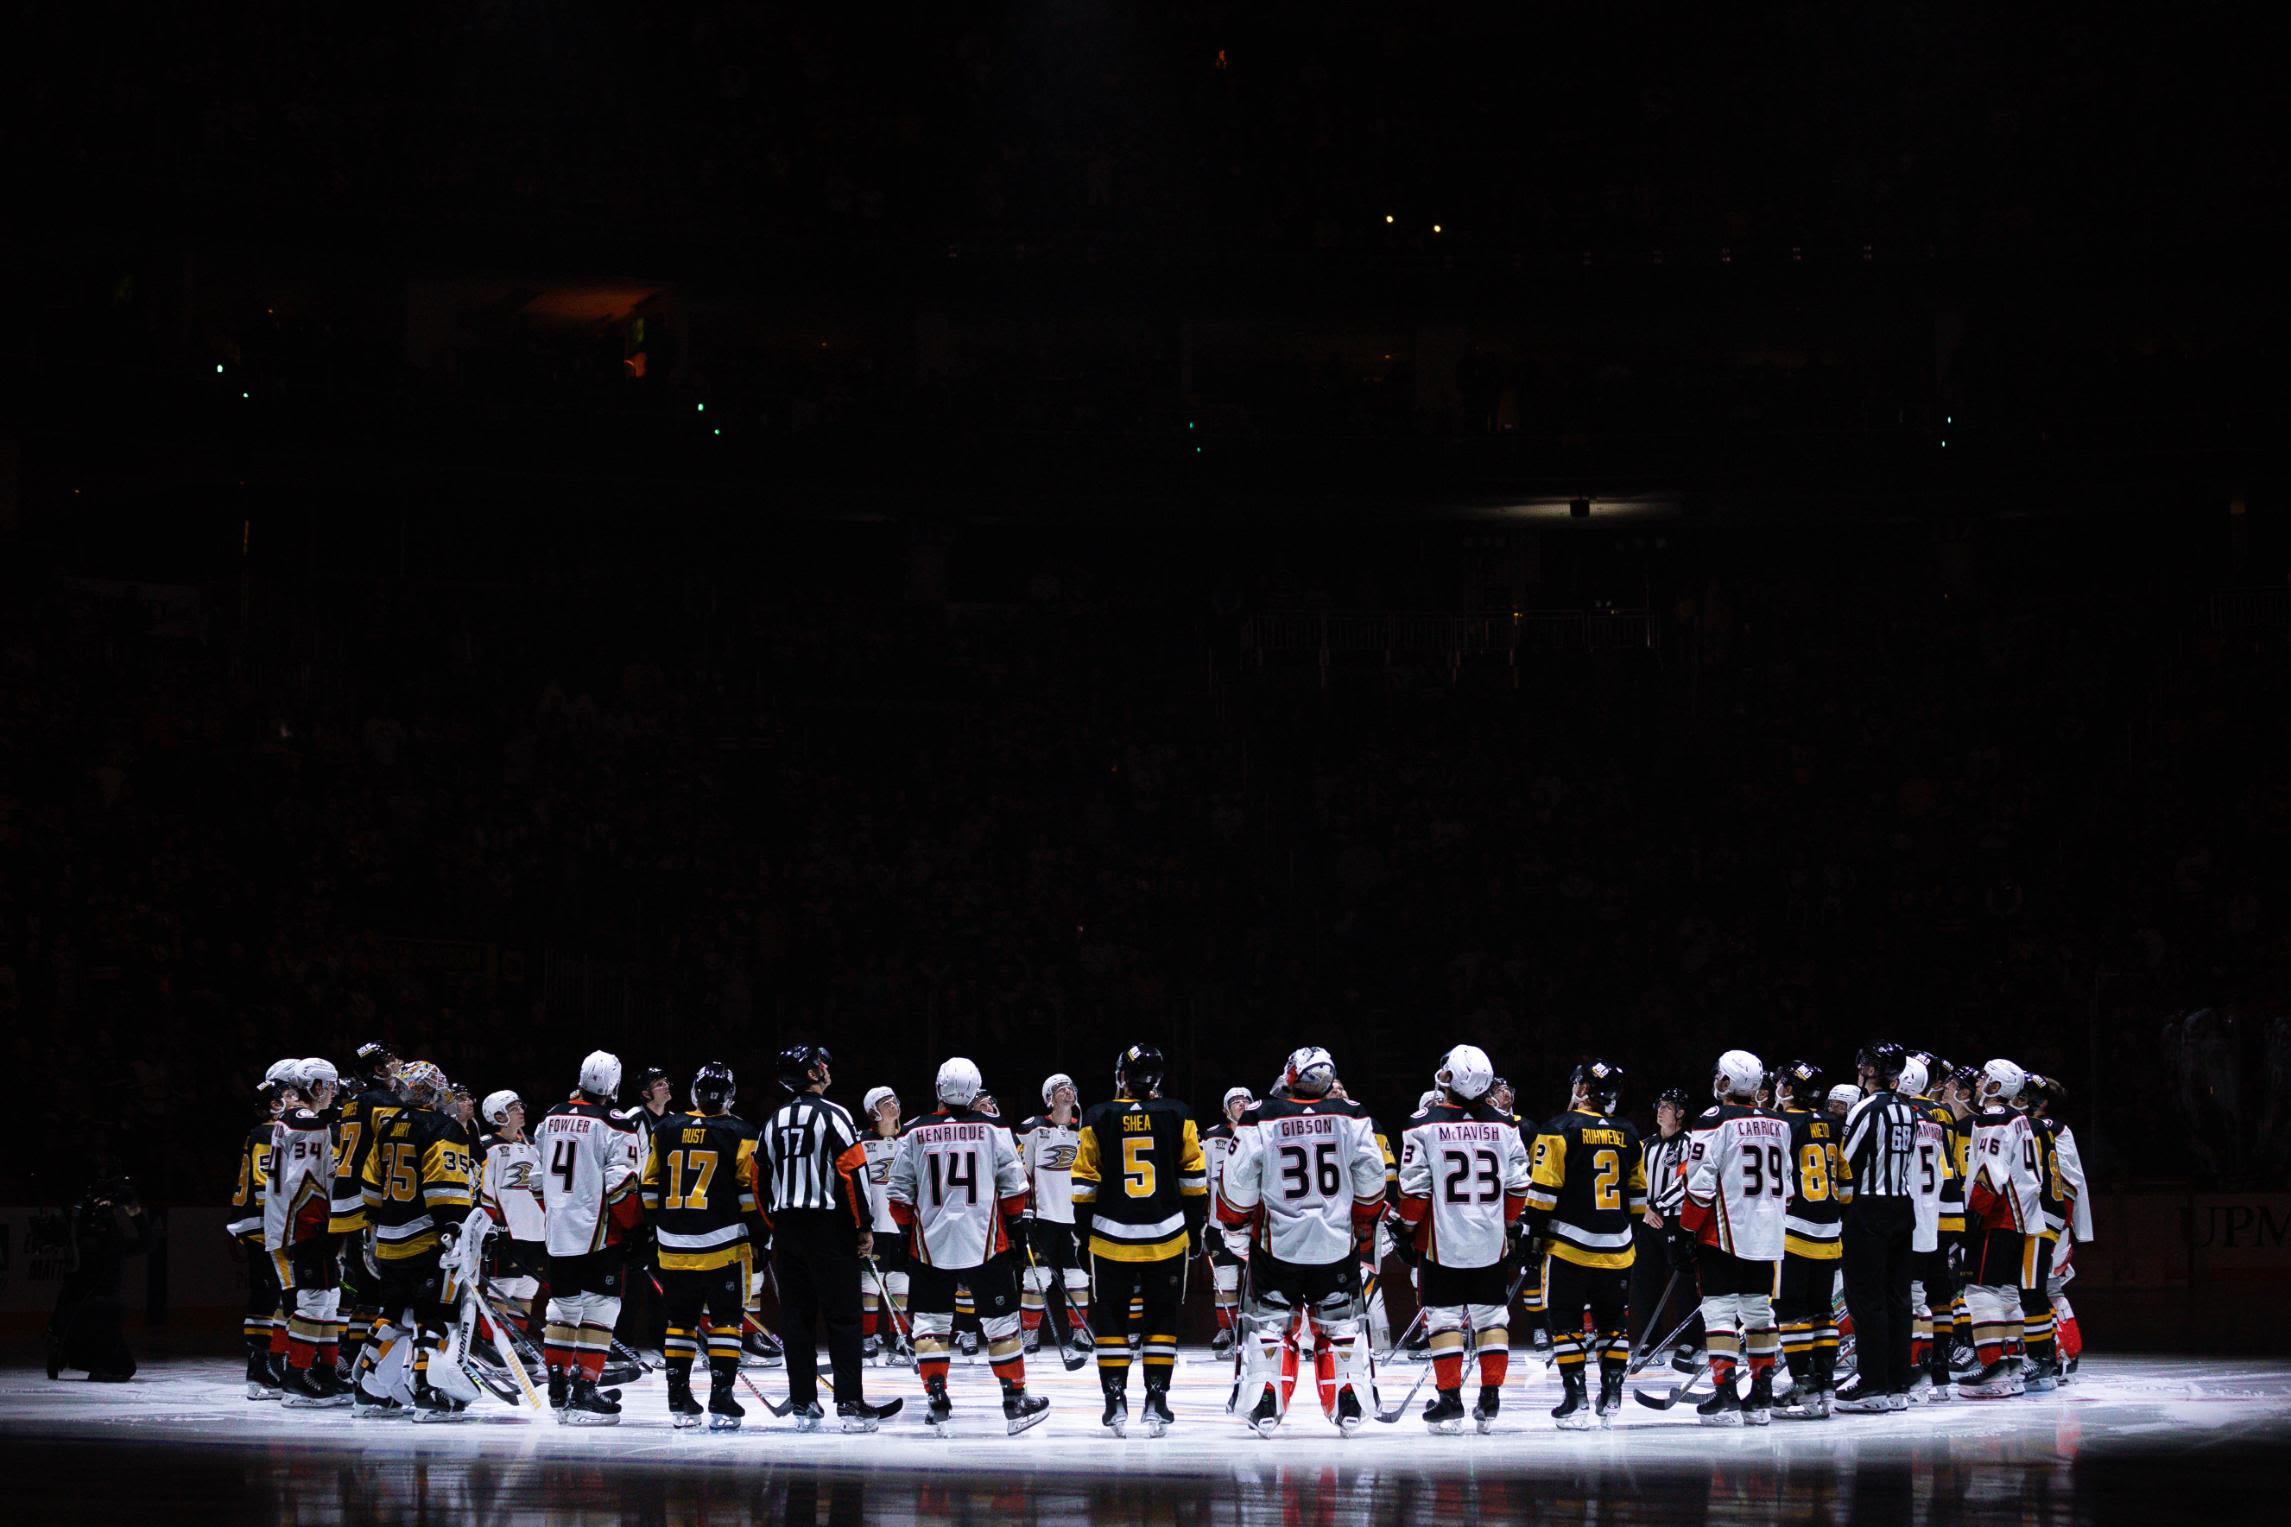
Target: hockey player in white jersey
(296,1209)
(1930,1181)
(1306,1183)
(957,1189)
(2004,1207)
(589,1203)
(2070,1222)
(509,1190)
(885,1272)
(1047,1145)
(1738,1185)
(1463,1187)
(1226,1257)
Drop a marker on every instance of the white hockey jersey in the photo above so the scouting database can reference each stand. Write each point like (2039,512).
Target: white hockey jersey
(2075,1193)
(1047,1150)
(1216,1150)
(588,1182)
(1929,1177)
(1463,1178)
(2007,1190)
(1739,1179)
(301,1175)
(881,1152)
(1314,1169)
(510,1189)
(956,1178)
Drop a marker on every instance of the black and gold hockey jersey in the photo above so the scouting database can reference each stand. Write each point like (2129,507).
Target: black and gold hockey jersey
(700,1190)
(246,1223)
(1959,1122)
(417,1181)
(1816,1216)
(1587,1187)
(363,1115)
(1140,1179)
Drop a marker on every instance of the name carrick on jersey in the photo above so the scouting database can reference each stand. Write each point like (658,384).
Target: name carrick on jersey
(1738,1181)
(299,1200)
(700,1189)
(1588,1187)
(417,1182)
(1140,1176)
(1463,1180)
(588,1184)
(363,1116)
(246,1223)
(2006,1191)
(1819,1191)
(956,1178)
(881,1151)
(509,1186)
(1931,1175)
(1047,1150)
(1310,1172)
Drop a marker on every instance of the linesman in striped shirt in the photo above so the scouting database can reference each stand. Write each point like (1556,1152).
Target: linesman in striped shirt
(1880,1158)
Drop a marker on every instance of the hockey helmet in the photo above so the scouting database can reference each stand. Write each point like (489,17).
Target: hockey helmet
(876,1098)
(1225,1104)
(803,1065)
(280,1074)
(1913,1080)
(2001,1083)
(1050,1086)
(958,1083)
(1675,1096)
(1739,1075)
(313,1073)
(495,1109)
(1603,1081)
(423,1084)
(1846,1093)
(1138,1070)
(713,1086)
(1802,1079)
(1466,1071)
(600,1075)
(1433,1097)
(1309,1072)
(645,1079)
(375,1061)
(1882,1057)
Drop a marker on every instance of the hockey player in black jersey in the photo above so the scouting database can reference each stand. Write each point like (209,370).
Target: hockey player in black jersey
(264,1328)
(1589,1184)
(700,1196)
(1811,1250)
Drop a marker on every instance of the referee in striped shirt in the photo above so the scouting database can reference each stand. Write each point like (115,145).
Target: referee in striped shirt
(1880,1223)
(812,1161)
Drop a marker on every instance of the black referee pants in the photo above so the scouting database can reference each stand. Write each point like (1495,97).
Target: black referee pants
(1876,1239)
(815,1253)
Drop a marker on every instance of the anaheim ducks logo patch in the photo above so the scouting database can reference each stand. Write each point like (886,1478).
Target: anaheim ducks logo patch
(1059,1158)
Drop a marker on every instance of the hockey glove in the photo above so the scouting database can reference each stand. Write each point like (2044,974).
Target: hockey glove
(1681,1247)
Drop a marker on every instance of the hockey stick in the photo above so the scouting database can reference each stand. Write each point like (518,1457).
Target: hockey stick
(1646,1354)
(901,1331)
(1394,1414)
(507,1351)
(1072,1359)
(779,1408)
(1404,1335)
(469,1271)
(1401,1409)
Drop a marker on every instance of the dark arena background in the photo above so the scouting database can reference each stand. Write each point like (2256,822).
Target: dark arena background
(1015,531)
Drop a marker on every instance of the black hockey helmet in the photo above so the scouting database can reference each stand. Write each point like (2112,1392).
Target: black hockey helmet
(1883,1057)
(1138,1070)
(2041,1092)
(1603,1079)
(1676,1097)
(712,1086)
(1803,1078)
(645,1079)
(798,1062)
(1966,1079)
(375,1060)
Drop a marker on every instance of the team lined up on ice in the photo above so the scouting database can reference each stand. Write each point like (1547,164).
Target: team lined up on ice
(1293,1200)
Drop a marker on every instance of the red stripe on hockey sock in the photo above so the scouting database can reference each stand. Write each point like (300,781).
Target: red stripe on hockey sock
(1761,1362)
(1448,1371)
(1011,1370)
(933,1368)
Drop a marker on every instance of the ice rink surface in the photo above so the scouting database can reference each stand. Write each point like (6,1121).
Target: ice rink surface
(2132,1439)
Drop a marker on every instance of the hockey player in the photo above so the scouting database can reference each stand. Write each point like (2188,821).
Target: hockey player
(880,1329)
(1225,1260)
(2004,1199)
(296,1210)
(1141,1187)
(264,1329)
(1666,1194)
(1047,1144)
(958,1189)
(589,1204)
(1306,1180)
(1589,1184)
(2074,1219)
(700,1196)
(509,1190)
(1463,1186)
(1842,1098)
(1958,1096)
(1807,1303)
(373,1099)
(1938,1190)
(2038,1337)
(1739,1178)
(417,1194)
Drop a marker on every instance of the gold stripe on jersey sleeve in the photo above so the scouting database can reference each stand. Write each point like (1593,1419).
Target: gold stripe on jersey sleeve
(1086,1169)
(1192,1166)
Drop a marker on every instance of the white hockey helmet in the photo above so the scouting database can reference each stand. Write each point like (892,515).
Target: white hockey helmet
(1466,1071)
(1740,1074)
(1913,1078)
(959,1082)
(874,1100)
(1309,1072)
(1846,1093)
(1051,1084)
(1432,1098)
(281,1072)
(495,1109)
(2001,1082)
(315,1072)
(1225,1103)
(600,1075)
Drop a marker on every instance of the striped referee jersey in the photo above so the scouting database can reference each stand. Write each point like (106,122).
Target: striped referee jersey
(812,1160)
(1881,1147)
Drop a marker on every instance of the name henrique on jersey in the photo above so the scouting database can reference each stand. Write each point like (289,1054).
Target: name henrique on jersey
(1312,1175)
(416,1183)
(2007,1188)
(1738,1181)
(955,1179)
(1819,1192)
(299,1202)
(1463,1179)
(509,1186)
(1047,1150)
(700,1189)
(1139,1176)
(1588,1185)
(588,1183)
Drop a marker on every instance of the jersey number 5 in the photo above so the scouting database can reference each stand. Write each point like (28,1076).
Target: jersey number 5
(1138,1178)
